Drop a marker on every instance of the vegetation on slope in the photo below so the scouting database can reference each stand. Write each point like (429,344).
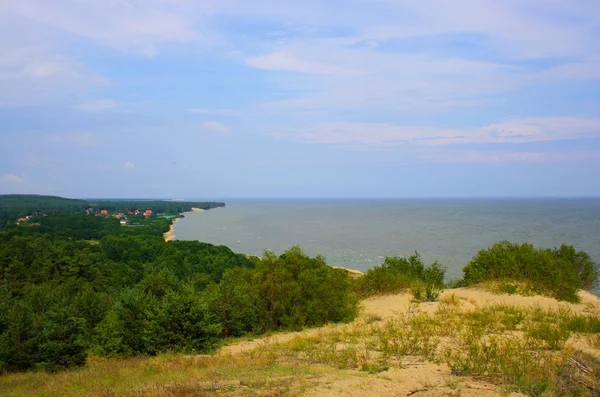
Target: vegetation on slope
(129,292)
(558,272)
(458,350)
(397,274)
(76,284)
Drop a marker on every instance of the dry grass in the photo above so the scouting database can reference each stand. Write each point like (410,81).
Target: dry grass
(446,347)
(167,375)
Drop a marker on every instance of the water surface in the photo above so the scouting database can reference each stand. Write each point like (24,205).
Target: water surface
(358,234)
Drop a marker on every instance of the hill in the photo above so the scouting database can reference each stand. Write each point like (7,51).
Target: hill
(470,343)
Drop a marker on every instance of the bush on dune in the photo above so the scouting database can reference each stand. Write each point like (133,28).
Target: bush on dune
(558,272)
(398,274)
(286,292)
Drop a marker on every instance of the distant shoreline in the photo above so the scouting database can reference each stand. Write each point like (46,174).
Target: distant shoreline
(352,271)
(170,235)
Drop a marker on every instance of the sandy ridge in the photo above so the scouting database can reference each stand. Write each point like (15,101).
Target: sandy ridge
(414,377)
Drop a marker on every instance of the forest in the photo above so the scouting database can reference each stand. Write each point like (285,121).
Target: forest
(15,206)
(74,285)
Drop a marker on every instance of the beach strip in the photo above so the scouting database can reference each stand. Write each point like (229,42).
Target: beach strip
(170,235)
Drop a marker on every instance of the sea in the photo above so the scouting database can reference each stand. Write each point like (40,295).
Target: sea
(360,233)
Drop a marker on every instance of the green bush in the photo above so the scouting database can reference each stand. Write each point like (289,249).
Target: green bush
(294,291)
(399,274)
(48,340)
(558,272)
(233,302)
(156,320)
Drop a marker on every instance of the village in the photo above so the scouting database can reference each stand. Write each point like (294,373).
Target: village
(100,212)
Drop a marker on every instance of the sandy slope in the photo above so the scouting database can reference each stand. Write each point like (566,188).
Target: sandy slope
(471,298)
(414,377)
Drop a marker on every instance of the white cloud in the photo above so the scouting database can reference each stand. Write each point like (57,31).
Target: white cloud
(393,81)
(34,74)
(81,139)
(529,29)
(101,104)
(383,134)
(128,164)
(290,63)
(34,63)
(133,26)
(408,56)
(215,126)
(213,112)
(509,157)
(586,69)
(392,55)
(31,160)
(13,179)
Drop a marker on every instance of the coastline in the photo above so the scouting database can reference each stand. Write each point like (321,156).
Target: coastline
(170,235)
(351,271)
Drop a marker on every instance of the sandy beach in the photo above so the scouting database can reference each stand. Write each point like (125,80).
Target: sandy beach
(170,235)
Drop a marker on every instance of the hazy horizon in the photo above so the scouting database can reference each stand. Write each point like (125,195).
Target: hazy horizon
(334,198)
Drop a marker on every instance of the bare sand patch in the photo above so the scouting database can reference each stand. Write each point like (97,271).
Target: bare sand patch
(475,297)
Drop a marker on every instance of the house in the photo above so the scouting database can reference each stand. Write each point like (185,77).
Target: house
(130,213)
(103,212)
(21,220)
(148,213)
(124,222)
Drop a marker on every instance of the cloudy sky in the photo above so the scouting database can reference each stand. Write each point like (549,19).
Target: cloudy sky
(278,98)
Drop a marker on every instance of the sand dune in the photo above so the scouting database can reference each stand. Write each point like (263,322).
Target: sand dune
(414,377)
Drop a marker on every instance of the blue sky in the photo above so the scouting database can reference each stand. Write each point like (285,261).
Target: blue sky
(223,99)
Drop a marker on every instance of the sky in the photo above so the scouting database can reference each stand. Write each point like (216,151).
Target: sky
(208,99)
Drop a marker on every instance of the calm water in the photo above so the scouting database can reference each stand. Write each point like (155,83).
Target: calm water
(358,234)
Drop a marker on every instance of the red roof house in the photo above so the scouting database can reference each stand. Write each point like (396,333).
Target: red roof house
(104,212)
(148,213)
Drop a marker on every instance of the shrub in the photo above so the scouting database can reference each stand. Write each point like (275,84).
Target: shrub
(293,291)
(558,273)
(399,274)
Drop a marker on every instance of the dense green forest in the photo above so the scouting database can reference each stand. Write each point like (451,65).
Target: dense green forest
(15,206)
(88,227)
(75,284)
